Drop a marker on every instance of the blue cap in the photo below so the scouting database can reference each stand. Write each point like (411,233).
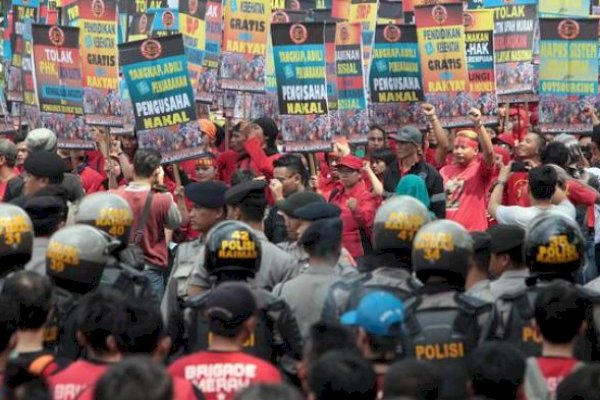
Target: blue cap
(376,313)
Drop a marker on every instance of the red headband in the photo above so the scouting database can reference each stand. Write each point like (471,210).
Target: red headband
(466,142)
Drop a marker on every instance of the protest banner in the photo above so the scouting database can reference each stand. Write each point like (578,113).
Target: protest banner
(29,96)
(166,22)
(293,4)
(244,45)
(208,76)
(299,53)
(441,37)
(156,74)
(175,143)
(390,12)
(193,29)
(479,39)
(514,27)
(352,98)
(22,18)
(365,12)
(139,21)
(57,69)
(568,79)
(564,8)
(395,77)
(99,62)
(331,75)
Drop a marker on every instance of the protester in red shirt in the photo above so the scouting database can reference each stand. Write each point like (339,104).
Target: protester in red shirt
(358,206)
(252,146)
(8,157)
(528,154)
(467,179)
(437,145)
(224,369)
(560,314)
(91,180)
(163,214)
(99,318)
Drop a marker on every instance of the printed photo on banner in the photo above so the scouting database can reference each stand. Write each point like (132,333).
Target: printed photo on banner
(57,69)
(514,28)
(245,34)
(568,73)
(299,54)
(165,23)
(441,37)
(99,62)
(479,38)
(395,77)
(175,143)
(207,83)
(157,78)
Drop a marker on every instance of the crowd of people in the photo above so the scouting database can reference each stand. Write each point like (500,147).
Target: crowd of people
(427,264)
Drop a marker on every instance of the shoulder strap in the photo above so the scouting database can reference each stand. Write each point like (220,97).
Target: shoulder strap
(142,225)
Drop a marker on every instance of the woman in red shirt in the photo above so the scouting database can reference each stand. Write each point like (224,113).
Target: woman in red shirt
(358,206)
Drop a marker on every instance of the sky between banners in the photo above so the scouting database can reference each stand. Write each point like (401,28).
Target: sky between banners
(373,64)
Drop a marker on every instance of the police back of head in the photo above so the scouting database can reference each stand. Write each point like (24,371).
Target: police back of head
(109,213)
(233,251)
(396,224)
(76,257)
(442,248)
(553,247)
(16,238)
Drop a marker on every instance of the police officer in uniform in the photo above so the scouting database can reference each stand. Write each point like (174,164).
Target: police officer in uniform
(233,253)
(16,239)
(112,214)
(553,250)
(396,224)
(311,213)
(75,260)
(246,202)
(442,325)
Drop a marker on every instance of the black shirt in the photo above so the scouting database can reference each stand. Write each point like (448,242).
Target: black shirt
(433,181)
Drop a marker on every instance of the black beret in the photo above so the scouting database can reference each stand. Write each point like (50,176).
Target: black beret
(326,231)
(481,241)
(506,237)
(238,193)
(43,164)
(317,211)
(206,194)
(297,200)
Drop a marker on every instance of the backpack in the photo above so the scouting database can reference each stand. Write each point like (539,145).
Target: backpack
(536,387)
(443,329)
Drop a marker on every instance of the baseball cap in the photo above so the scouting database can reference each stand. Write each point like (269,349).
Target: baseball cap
(408,134)
(377,313)
(351,162)
(228,306)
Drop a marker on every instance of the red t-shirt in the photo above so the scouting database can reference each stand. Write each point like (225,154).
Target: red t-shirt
(555,369)
(70,382)
(154,242)
(91,181)
(466,193)
(220,375)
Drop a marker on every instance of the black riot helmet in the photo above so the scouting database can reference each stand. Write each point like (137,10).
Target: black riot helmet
(442,248)
(108,212)
(16,238)
(76,257)
(233,251)
(397,222)
(553,245)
